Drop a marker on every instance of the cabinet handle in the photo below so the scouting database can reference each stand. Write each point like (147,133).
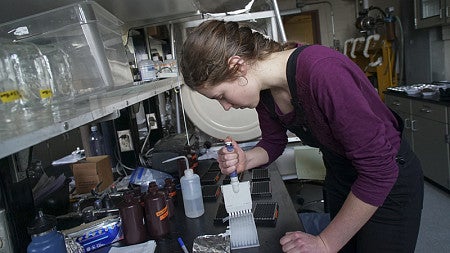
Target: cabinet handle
(413,125)
(406,123)
(396,103)
(425,110)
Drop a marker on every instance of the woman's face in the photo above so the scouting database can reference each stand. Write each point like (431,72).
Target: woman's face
(232,94)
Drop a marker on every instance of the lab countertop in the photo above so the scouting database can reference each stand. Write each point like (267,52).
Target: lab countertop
(269,237)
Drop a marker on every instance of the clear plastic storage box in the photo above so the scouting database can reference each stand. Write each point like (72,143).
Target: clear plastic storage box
(87,34)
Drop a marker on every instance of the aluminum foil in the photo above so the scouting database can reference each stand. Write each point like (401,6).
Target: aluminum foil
(219,243)
(72,246)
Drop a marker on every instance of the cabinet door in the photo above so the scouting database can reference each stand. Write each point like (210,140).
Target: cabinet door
(407,132)
(402,106)
(431,147)
(447,12)
(430,13)
(398,104)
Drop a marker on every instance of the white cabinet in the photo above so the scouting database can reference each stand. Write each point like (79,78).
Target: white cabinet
(430,13)
(427,129)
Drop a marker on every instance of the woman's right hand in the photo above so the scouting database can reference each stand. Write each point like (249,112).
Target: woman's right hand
(230,161)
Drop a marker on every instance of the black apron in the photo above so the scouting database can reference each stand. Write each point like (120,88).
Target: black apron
(404,200)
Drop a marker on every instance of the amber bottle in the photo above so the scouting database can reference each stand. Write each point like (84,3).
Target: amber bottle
(133,224)
(156,212)
(171,194)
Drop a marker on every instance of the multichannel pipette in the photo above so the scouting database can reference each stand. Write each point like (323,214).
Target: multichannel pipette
(234,181)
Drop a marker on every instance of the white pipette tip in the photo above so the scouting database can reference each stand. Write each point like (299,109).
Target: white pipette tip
(235,184)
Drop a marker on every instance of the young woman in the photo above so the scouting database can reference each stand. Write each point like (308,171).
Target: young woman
(374,181)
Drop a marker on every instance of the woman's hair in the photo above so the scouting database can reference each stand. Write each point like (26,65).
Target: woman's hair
(208,47)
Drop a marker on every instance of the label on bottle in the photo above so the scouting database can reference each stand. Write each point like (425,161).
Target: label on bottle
(9,96)
(45,93)
(163,213)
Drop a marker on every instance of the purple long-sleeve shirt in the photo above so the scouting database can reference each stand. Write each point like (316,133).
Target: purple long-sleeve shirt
(346,115)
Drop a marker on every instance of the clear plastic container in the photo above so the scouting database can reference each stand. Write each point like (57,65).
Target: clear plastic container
(61,74)
(171,64)
(192,194)
(33,75)
(158,64)
(147,69)
(61,80)
(9,93)
(88,34)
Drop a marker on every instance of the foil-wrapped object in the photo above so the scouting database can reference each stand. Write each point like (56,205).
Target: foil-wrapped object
(219,243)
(72,246)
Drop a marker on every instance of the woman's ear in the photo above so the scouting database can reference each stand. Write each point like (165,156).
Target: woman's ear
(237,62)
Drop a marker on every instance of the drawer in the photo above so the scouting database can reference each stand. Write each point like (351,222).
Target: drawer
(429,111)
(398,104)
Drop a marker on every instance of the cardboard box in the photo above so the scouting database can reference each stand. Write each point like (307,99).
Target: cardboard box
(88,173)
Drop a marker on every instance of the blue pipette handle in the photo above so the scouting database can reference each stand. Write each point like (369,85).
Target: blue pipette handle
(229,146)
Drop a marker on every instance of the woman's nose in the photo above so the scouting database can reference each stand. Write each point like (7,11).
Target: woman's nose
(226,106)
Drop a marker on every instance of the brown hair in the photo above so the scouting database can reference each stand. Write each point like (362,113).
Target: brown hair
(206,51)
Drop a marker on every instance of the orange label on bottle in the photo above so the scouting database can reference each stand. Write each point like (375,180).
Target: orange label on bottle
(172,194)
(46,93)
(163,213)
(9,96)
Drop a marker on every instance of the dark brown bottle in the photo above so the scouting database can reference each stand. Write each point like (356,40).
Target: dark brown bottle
(171,194)
(156,212)
(133,224)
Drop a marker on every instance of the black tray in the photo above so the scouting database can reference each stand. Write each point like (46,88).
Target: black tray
(210,178)
(214,167)
(261,174)
(220,215)
(210,192)
(261,189)
(265,214)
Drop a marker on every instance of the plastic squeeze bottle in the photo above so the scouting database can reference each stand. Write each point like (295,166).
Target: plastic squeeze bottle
(192,194)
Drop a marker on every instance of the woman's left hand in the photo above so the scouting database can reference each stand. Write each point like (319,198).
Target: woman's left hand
(302,242)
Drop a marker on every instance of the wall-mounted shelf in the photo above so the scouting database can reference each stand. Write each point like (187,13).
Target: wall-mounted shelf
(88,110)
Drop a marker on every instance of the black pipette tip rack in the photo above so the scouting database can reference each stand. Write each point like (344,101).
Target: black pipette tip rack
(210,192)
(260,174)
(261,189)
(214,167)
(210,178)
(220,215)
(265,214)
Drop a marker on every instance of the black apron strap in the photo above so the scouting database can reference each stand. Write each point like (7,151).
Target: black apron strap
(291,69)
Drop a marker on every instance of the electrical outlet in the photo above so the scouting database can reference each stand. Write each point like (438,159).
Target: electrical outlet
(151,121)
(125,141)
